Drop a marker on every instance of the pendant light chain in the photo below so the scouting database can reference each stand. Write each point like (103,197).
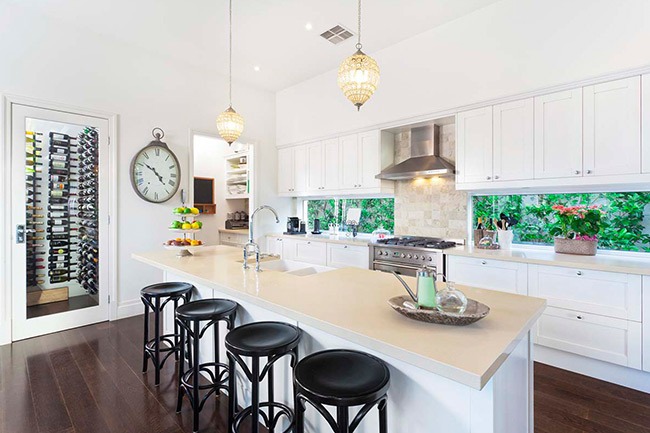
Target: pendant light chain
(359,28)
(230,59)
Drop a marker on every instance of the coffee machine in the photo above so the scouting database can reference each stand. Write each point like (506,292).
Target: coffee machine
(293,227)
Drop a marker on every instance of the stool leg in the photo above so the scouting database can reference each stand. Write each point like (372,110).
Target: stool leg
(146,338)
(181,372)
(271,411)
(255,396)
(342,419)
(299,415)
(232,391)
(157,342)
(176,332)
(195,375)
(383,416)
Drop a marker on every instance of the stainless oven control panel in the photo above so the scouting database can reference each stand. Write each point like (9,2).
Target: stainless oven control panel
(408,256)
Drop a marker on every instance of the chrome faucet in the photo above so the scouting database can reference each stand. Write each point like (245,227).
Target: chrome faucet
(251,242)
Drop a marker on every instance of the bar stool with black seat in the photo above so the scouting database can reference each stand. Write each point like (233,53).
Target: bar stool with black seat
(156,297)
(189,318)
(272,340)
(343,379)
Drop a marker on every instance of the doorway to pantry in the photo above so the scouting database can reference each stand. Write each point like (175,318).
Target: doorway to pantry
(59,267)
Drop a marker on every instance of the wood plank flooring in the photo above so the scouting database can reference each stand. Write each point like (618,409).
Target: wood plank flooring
(88,380)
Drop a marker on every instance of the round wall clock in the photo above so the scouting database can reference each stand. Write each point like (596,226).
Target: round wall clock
(155,171)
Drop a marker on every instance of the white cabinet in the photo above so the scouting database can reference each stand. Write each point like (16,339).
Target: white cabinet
(314,167)
(558,134)
(513,140)
(646,323)
(370,154)
(233,239)
(322,167)
(274,245)
(612,128)
(344,256)
(490,274)
(331,165)
(292,170)
(645,123)
(349,157)
(474,145)
(302,250)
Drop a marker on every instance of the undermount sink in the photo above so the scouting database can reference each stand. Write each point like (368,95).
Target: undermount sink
(300,269)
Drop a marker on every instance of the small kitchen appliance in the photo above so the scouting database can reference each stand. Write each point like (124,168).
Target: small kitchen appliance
(316,230)
(293,227)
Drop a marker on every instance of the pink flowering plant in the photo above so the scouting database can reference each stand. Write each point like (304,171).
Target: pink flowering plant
(578,222)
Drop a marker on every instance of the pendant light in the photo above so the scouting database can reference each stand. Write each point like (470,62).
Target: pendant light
(358,74)
(230,124)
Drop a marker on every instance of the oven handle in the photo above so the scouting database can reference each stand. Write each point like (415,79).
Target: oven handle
(397,265)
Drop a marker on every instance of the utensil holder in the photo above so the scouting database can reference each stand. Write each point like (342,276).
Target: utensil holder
(505,239)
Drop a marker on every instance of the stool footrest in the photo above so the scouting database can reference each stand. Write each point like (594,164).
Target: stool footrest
(283,410)
(220,379)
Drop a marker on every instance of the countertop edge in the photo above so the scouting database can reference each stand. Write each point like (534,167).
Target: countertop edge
(320,238)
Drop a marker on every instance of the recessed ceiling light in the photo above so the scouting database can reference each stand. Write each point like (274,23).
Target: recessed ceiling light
(256,68)
(308,26)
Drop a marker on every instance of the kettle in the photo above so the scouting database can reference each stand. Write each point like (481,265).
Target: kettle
(425,294)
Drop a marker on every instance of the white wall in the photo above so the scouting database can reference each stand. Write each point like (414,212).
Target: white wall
(52,60)
(510,47)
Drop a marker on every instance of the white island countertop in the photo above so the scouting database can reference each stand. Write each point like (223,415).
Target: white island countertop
(352,304)
(599,262)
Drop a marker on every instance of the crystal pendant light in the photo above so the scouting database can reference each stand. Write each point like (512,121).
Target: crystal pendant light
(230,124)
(358,74)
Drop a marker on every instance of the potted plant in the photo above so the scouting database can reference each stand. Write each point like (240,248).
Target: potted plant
(576,229)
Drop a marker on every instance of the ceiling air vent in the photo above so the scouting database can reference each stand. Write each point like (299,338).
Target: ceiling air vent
(336,34)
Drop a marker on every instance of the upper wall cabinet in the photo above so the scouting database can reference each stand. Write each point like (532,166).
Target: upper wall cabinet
(474,145)
(513,140)
(340,166)
(558,134)
(645,124)
(612,128)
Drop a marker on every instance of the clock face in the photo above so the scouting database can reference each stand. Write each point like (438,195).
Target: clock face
(155,174)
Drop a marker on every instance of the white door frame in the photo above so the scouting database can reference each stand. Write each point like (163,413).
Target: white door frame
(7,232)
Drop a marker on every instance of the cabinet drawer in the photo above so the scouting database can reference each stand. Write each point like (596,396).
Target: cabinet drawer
(605,338)
(305,251)
(344,256)
(605,293)
(488,274)
(232,239)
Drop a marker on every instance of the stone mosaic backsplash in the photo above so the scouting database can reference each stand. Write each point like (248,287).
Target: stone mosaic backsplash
(430,207)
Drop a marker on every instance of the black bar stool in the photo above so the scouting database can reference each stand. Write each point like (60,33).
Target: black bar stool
(189,318)
(341,378)
(272,340)
(155,297)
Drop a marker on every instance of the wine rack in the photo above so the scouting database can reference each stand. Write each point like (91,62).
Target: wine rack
(88,141)
(35,273)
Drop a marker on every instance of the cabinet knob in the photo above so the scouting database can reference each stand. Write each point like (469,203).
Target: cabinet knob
(308,242)
(489,177)
(589,172)
(579,273)
(496,177)
(345,246)
(579,317)
(577,172)
(483,262)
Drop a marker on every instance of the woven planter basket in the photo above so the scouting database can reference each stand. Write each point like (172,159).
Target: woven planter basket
(573,246)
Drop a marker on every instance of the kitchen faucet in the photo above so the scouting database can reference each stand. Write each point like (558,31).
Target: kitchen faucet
(251,243)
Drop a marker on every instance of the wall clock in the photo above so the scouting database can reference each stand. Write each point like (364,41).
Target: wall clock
(155,171)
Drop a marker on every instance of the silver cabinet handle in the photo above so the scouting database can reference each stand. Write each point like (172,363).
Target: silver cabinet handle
(579,317)
(577,171)
(496,177)
(588,171)
(309,243)
(345,246)
(483,262)
(579,273)
(488,178)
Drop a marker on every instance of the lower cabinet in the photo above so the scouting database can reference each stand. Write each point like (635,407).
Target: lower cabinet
(488,274)
(274,245)
(303,250)
(232,239)
(344,256)
(646,324)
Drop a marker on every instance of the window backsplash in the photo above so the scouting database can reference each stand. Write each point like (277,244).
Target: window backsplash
(430,207)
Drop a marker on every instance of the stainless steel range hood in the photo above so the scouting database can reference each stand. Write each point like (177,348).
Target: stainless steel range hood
(425,160)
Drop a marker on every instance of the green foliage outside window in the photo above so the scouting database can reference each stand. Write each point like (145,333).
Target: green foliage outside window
(624,226)
(375,212)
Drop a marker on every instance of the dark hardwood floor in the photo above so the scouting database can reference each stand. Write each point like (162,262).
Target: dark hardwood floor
(88,380)
(73,303)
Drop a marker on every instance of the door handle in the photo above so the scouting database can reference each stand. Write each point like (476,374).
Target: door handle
(20,234)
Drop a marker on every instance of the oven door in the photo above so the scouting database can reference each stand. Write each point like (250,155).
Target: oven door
(398,268)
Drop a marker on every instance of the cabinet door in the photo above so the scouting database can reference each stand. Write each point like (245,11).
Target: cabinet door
(331,169)
(612,128)
(349,161)
(645,124)
(369,159)
(285,170)
(299,169)
(314,168)
(310,252)
(489,274)
(558,135)
(274,245)
(646,323)
(513,140)
(474,145)
(345,256)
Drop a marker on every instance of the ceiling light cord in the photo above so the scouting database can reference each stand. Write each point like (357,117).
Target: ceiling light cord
(358,28)
(230,60)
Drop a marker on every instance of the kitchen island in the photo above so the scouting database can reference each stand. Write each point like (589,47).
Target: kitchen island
(473,379)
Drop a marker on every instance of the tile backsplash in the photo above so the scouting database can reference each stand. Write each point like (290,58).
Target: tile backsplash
(430,207)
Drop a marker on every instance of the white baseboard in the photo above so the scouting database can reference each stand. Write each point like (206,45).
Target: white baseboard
(129,309)
(5,332)
(624,376)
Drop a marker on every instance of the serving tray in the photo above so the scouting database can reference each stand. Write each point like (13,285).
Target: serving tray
(474,312)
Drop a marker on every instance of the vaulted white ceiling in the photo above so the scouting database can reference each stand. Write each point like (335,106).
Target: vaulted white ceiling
(270,34)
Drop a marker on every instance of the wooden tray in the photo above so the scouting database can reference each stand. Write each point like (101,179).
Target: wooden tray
(475,311)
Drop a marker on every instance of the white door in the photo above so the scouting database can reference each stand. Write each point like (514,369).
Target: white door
(48,259)
(349,157)
(369,159)
(513,140)
(612,128)
(331,171)
(645,124)
(558,135)
(474,144)
(300,169)
(285,170)
(314,168)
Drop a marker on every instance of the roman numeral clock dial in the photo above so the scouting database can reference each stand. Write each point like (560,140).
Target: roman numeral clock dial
(155,172)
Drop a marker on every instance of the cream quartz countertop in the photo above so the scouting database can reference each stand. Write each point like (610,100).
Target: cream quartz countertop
(352,304)
(235,231)
(339,239)
(599,262)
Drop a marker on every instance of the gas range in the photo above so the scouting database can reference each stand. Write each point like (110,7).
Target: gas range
(405,255)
